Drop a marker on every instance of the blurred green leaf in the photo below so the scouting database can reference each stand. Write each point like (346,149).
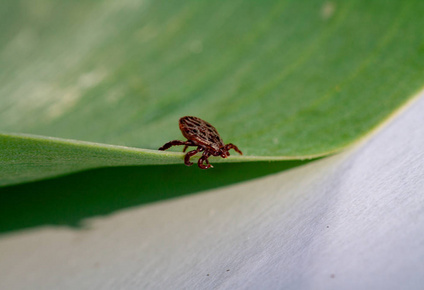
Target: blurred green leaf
(281,79)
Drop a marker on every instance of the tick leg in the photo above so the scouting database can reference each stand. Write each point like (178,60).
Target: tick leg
(232,146)
(199,148)
(204,159)
(175,143)
(188,155)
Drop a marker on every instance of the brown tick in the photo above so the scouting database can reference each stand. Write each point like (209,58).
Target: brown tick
(203,135)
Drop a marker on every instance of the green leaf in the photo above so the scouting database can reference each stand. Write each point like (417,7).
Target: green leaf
(27,158)
(280,79)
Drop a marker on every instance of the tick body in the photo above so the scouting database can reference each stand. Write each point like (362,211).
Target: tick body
(203,135)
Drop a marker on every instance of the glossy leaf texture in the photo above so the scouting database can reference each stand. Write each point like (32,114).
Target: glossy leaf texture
(281,79)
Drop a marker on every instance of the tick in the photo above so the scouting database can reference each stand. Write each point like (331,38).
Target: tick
(203,135)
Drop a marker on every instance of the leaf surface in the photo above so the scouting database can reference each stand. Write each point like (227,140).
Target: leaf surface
(280,79)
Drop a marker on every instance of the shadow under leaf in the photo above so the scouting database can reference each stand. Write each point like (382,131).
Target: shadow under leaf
(69,199)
